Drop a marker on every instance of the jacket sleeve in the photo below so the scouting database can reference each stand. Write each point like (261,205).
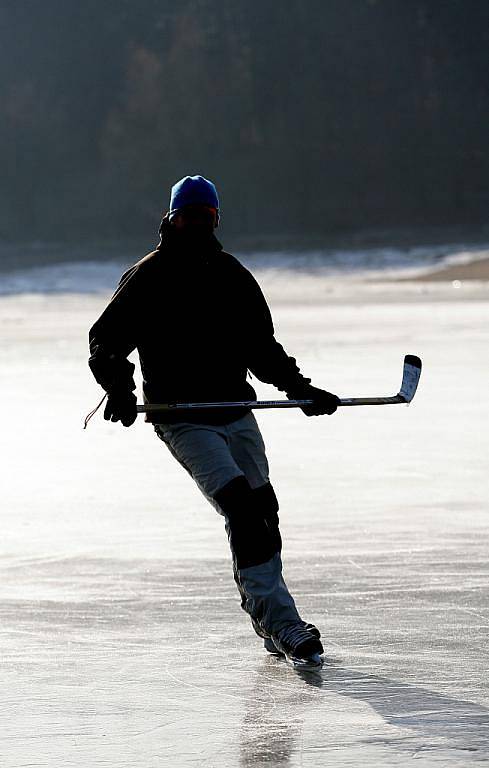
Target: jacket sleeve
(113,336)
(268,360)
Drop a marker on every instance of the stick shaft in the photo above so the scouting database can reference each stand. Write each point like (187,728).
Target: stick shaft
(257,404)
(410,378)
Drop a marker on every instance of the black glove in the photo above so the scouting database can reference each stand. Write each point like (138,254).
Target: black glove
(121,406)
(324,402)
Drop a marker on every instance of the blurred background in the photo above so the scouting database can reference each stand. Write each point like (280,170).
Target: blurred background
(315,119)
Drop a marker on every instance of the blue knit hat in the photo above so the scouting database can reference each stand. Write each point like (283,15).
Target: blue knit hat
(193,190)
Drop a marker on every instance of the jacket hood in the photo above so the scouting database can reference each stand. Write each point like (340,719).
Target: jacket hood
(177,240)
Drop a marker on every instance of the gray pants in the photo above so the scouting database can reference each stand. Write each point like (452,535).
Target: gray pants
(214,456)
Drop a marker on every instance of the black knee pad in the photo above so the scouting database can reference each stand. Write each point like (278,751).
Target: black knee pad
(266,501)
(253,540)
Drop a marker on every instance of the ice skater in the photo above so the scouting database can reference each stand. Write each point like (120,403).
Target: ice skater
(200,323)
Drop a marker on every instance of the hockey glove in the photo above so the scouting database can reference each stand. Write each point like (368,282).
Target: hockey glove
(121,406)
(324,402)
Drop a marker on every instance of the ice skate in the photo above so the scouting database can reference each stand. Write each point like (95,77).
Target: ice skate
(299,644)
(270,646)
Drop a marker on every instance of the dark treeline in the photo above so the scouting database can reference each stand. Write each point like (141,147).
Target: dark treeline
(311,116)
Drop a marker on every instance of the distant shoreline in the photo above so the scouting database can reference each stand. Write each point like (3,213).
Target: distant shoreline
(474,270)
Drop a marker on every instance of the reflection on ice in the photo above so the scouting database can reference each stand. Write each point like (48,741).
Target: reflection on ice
(422,720)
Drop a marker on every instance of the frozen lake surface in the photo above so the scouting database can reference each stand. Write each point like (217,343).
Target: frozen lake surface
(123,643)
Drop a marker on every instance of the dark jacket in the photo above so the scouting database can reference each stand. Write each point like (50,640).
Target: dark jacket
(199,321)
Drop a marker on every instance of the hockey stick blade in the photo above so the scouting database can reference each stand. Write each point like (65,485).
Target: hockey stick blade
(410,377)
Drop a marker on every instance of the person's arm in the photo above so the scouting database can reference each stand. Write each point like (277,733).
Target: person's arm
(270,363)
(112,338)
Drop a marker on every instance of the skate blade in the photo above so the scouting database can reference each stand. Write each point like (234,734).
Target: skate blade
(313,662)
(276,653)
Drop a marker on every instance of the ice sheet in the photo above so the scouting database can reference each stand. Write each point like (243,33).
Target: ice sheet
(123,643)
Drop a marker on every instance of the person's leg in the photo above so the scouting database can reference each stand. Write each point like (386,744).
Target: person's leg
(257,564)
(257,570)
(264,593)
(242,493)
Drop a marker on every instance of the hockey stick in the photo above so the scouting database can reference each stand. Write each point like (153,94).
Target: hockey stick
(410,379)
